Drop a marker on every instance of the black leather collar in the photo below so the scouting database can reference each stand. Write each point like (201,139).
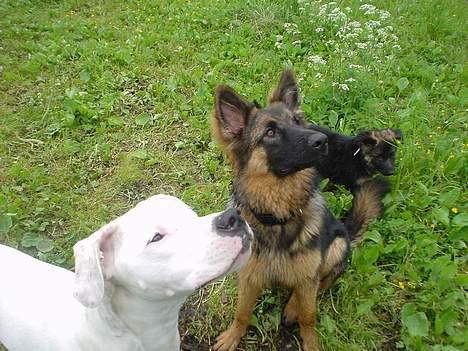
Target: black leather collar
(264,218)
(269,219)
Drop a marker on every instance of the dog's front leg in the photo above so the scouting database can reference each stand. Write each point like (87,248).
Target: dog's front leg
(306,296)
(247,296)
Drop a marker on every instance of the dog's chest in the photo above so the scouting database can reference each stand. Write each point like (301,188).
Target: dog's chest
(274,269)
(277,238)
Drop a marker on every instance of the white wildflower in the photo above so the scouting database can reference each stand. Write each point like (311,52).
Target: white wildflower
(341,86)
(373,24)
(318,75)
(297,43)
(397,47)
(351,36)
(319,30)
(384,14)
(291,28)
(368,9)
(361,45)
(279,45)
(279,42)
(289,25)
(316,59)
(353,66)
(301,77)
(350,80)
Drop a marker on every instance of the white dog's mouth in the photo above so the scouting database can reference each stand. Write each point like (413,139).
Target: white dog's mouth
(229,250)
(238,261)
(241,259)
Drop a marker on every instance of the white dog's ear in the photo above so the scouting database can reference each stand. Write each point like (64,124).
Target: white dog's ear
(94,262)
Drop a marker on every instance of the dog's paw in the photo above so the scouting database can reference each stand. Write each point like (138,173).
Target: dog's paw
(310,346)
(290,313)
(288,319)
(228,340)
(309,340)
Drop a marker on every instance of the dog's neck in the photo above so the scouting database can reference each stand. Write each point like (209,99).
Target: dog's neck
(154,324)
(139,323)
(105,321)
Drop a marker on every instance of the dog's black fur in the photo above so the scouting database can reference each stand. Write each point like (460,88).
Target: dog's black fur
(353,160)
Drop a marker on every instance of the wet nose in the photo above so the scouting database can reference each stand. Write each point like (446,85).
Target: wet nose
(317,140)
(389,171)
(229,221)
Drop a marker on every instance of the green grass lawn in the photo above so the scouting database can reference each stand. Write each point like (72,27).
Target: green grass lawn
(104,103)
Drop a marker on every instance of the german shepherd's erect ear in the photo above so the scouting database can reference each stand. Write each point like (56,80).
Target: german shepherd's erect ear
(231,114)
(365,140)
(369,139)
(287,91)
(398,134)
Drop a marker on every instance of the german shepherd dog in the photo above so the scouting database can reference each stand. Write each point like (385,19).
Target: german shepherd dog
(353,160)
(297,243)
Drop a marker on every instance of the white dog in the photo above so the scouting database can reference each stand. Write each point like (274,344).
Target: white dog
(131,279)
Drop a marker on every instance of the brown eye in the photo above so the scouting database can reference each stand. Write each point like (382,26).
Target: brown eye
(270,132)
(296,120)
(157,237)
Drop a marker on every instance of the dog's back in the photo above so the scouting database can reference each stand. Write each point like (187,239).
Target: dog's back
(34,293)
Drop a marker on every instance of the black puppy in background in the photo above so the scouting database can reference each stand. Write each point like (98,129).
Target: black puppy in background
(352,160)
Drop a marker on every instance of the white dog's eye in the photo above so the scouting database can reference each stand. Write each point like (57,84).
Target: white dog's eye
(156,237)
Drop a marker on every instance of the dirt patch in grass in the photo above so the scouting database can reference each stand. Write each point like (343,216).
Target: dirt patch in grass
(195,315)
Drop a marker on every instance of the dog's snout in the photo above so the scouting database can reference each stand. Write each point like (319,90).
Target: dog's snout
(317,140)
(388,171)
(229,220)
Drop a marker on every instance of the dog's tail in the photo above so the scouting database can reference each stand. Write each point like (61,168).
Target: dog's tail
(367,205)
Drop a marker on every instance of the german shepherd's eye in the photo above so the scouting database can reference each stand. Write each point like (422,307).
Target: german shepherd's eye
(270,132)
(296,120)
(156,237)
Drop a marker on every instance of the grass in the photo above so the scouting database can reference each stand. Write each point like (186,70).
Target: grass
(104,103)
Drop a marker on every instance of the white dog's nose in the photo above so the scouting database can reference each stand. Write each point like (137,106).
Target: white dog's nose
(229,222)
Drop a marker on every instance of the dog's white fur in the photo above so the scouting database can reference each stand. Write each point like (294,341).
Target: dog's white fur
(126,293)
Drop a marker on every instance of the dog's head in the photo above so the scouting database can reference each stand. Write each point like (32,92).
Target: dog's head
(378,149)
(271,139)
(160,249)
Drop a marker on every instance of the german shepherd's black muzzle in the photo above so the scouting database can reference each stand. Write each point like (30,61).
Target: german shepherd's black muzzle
(297,148)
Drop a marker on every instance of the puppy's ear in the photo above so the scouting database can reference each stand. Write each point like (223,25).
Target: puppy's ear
(94,262)
(365,140)
(231,113)
(287,91)
(398,134)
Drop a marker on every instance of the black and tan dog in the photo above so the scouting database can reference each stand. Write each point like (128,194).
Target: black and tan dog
(298,243)
(353,160)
